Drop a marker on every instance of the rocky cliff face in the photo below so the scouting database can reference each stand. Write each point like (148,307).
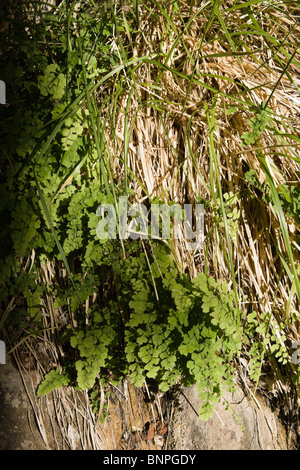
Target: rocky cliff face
(249,424)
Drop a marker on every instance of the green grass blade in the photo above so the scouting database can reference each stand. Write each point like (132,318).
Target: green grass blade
(49,221)
(214,161)
(279,212)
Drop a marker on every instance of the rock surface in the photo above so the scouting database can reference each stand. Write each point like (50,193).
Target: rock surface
(18,430)
(259,428)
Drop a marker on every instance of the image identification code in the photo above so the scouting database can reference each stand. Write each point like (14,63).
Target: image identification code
(150,459)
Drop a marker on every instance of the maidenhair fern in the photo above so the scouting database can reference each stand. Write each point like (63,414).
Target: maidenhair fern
(181,330)
(257,124)
(52,82)
(232,213)
(53,380)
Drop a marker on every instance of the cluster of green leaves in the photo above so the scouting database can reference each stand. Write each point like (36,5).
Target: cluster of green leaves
(267,338)
(232,213)
(257,125)
(53,381)
(163,327)
(95,345)
(289,195)
(38,144)
(49,161)
(52,83)
(199,339)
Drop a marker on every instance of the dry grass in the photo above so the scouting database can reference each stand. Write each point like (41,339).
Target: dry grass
(169,150)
